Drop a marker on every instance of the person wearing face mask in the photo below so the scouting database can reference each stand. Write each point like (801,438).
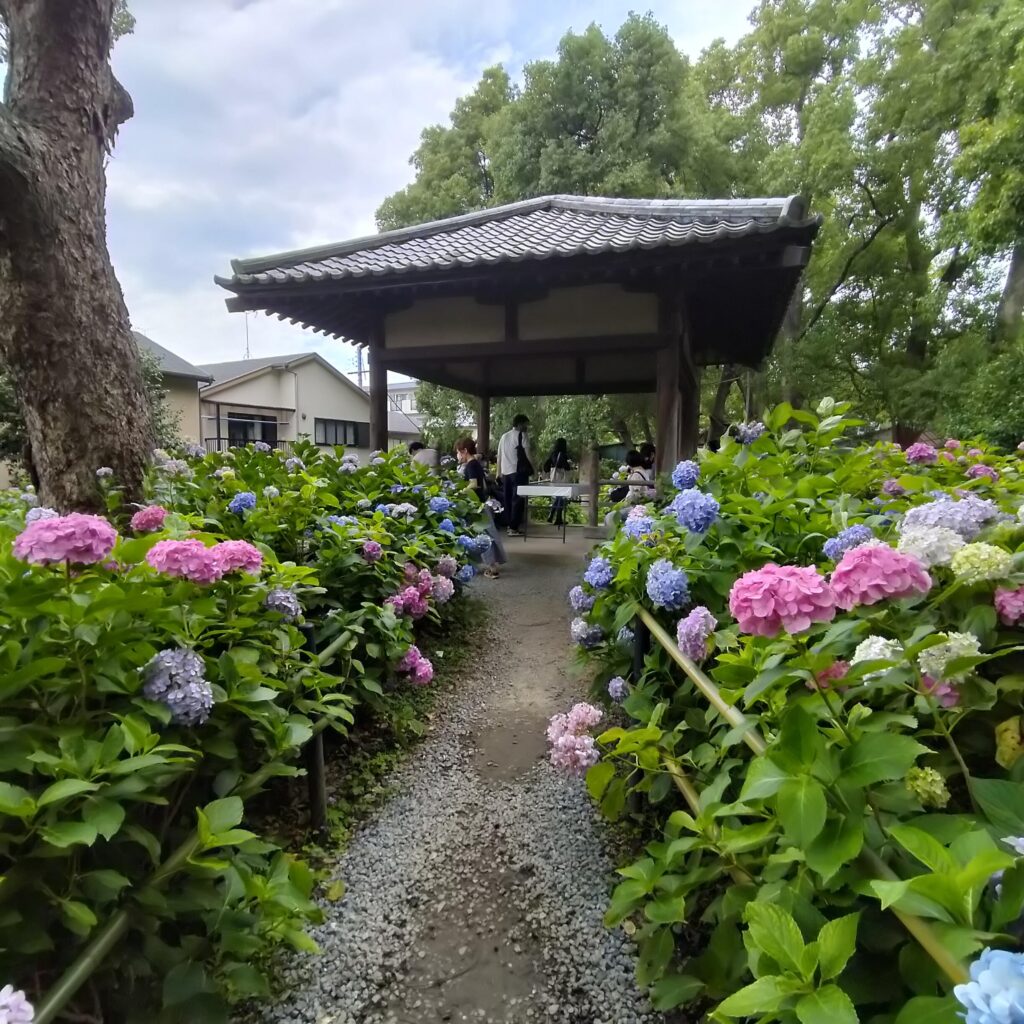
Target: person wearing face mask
(515,469)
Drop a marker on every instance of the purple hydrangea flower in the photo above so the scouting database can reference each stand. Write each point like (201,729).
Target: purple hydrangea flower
(244,501)
(692,633)
(195,451)
(586,634)
(852,537)
(685,475)
(14,1007)
(618,689)
(893,488)
(175,677)
(599,573)
(667,586)
(580,600)
(372,551)
(693,509)
(921,453)
(968,516)
(748,433)
(284,601)
(271,492)
(350,458)
(447,566)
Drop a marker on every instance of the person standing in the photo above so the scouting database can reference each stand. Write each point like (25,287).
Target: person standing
(515,469)
(558,466)
(473,473)
(425,456)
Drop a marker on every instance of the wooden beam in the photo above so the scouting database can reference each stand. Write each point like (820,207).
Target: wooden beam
(511,322)
(378,392)
(549,347)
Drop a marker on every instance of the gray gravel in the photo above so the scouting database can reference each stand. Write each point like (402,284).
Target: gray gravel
(477,892)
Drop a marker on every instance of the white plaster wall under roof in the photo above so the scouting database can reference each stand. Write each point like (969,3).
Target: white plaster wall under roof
(445,321)
(588,311)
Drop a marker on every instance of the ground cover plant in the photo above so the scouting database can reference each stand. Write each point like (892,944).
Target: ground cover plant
(858,611)
(163,663)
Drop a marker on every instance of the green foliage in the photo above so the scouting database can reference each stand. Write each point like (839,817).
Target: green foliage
(107,803)
(900,122)
(872,796)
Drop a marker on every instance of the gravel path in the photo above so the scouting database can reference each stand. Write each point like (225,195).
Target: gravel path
(477,893)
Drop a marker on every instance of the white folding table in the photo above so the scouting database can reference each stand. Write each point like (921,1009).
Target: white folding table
(571,492)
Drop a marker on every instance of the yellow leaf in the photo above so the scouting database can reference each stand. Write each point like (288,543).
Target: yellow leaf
(335,891)
(1009,742)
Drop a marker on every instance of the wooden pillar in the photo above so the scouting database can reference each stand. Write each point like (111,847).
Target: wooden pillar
(594,472)
(378,393)
(483,426)
(678,394)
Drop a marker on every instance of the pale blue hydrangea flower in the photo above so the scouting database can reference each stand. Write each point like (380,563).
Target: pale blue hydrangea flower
(618,689)
(599,573)
(175,677)
(693,509)
(104,471)
(261,446)
(852,537)
(195,451)
(748,433)
(685,475)
(580,600)
(995,993)
(293,464)
(667,586)
(270,491)
(586,634)
(284,601)
(40,512)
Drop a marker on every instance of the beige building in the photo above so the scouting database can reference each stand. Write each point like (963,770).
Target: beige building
(182,381)
(278,399)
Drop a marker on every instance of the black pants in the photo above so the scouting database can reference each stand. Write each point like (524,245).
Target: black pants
(557,510)
(513,503)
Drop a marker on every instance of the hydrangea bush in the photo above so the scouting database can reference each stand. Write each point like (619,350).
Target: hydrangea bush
(858,608)
(155,659)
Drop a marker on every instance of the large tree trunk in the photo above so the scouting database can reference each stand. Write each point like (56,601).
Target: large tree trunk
(718,422)
(64,329)
(1010,310)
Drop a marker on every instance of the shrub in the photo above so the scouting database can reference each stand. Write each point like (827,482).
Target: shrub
(864,757)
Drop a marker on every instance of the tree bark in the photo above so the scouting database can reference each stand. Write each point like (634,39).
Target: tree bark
(64,330)
(1010,310)
(718,422)
(621,427)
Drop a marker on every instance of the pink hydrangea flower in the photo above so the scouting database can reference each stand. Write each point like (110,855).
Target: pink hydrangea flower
(410,659)
(945,693)
(947,456)
(422,672)
(830,677)
(409,602)
(410,572)
(150,518)
(873,572)
(76,538)
(238,554)
(580,719)
(952,444)
(186,559)
(781,597)
(443,589)
(975,453)
(893,488)
(1010,605)
(979,469)
(574,754)
(425,582)
(921,453)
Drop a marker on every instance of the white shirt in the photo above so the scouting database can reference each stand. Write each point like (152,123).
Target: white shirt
(426,457)
(508,459)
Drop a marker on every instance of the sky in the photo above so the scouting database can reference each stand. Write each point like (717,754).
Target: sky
(267,125)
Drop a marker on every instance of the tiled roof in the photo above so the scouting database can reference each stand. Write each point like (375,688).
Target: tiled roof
(536,229)
(220,372)
(172,365)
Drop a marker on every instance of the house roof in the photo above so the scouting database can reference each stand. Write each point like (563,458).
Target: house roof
(170,364)
(548,227)
(224,374)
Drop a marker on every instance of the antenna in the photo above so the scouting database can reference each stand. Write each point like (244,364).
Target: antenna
(247,334)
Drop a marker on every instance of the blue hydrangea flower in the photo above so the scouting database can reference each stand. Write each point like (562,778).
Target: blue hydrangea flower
(363,504)
(195,451)
(446,526)
(382,507)
(968,516)
(417,489)
(625,637)
(852,537)
(638,527)
(350,458)
(586,634)
(466,542)
(440,504)
(580,600)
(261,446)
(284,601)
(175,677)
(465,574)
(293,464)
(244,501)
(342,520)
(685,475)
(599,573)
(40,512)
(348,467)
(995,993)
(667,586)
(693,509)
(618,690)
(378,461)
(748,433)
(482,543)
(397,488)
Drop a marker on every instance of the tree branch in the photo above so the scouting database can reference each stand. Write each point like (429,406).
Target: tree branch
(844,274)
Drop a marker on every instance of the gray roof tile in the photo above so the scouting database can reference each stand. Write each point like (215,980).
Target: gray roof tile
(172,365)
(535,229)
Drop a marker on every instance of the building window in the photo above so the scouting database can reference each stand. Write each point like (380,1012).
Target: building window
(336,432)
(243,428)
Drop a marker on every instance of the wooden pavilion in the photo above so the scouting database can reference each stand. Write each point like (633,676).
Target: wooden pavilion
(556,295)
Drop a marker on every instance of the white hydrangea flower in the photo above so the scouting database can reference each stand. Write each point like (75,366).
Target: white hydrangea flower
(1020,514)
(933,660)
(931,545)
(877,648)
(975,563)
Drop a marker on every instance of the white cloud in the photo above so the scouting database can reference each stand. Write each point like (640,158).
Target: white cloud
(264,125)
